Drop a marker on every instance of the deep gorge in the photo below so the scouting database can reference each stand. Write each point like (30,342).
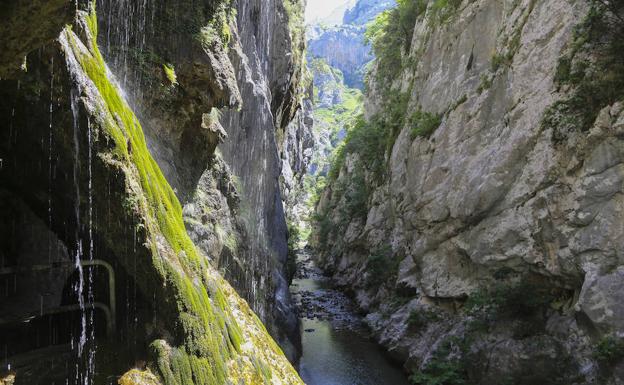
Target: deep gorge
(215,191)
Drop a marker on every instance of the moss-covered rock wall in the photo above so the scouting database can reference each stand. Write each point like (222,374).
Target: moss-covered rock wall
(76,151)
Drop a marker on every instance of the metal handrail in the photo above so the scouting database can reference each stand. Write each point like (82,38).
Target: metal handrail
(66,309)
(112,311)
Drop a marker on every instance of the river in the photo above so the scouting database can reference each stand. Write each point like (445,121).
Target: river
(337,348)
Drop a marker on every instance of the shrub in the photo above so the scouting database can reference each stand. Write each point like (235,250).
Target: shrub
(381,267)
(390,35)
(357,197)
(422,317)
(294,237)
(596,83)
(509,300)
(424,124)
(446,367)
(609,350)
(443,9)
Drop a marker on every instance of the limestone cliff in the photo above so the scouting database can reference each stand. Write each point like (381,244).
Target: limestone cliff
(110,152)
(476,212)
(221,131)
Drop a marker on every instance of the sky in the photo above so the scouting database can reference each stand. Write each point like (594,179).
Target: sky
(326,10)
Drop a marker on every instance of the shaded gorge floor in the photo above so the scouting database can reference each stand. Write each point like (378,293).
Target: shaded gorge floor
(337,347)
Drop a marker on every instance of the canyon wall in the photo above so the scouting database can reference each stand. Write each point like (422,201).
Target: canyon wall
(476,211)
(112,148)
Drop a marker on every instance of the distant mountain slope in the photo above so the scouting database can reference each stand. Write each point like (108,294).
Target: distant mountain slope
(342,45)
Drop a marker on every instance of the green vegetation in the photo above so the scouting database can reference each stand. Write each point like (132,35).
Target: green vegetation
(218,30)
(443,10)
(363,138)
(390,36)
(593,68)
(512,44)
(420,318)
(206,333)
(170,74)
(609,350)
(485,84)
(294,239)
(382,267)
(510,299)
(338,115)
(447,366)
(424,124)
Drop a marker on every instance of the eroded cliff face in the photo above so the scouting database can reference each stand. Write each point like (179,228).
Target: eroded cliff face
(109,153)
(491,240)
(226,130)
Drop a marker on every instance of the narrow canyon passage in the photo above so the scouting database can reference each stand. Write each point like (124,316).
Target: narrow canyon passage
(320,192)
(337,348)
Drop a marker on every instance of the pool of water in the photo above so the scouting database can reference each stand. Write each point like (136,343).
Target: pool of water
(337,349)
(343,357)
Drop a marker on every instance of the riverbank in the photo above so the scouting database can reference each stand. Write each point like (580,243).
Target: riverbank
(337,348)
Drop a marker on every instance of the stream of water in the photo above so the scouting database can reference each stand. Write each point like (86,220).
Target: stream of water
(337,348)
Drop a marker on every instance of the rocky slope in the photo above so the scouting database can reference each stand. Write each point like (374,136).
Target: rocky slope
(112,147)
(342,45)
(476,212)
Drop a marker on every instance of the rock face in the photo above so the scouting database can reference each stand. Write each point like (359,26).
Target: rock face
(366,10)
(26,26)
(266,153)
(506,200)
(250,62)
(112,148)
(342,46)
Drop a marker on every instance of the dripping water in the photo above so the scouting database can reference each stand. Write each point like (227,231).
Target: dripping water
(85,343)
(91,296)
(50,164)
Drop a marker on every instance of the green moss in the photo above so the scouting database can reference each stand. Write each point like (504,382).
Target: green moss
(170,74)
(210,333)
